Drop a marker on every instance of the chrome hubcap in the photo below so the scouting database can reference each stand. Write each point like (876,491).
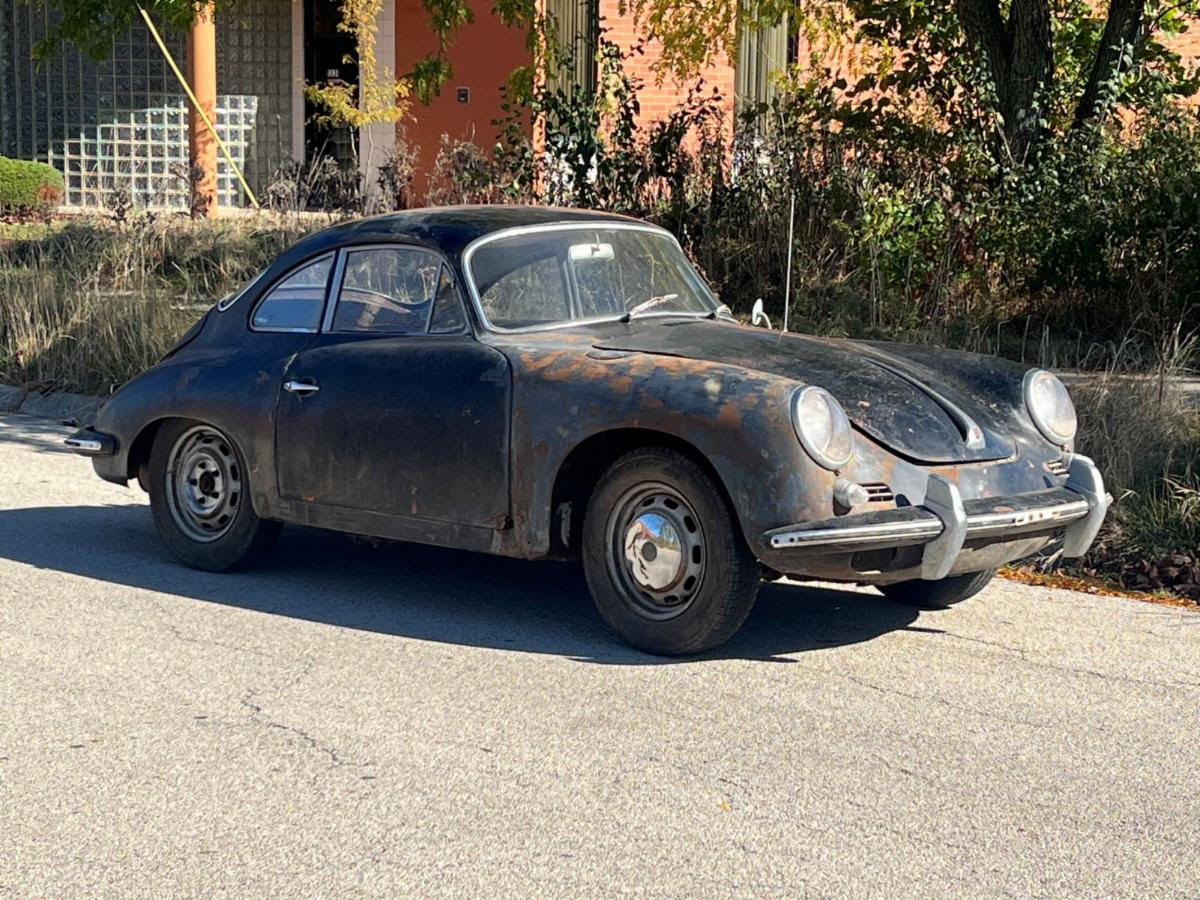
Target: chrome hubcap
(657,551)
(204,484)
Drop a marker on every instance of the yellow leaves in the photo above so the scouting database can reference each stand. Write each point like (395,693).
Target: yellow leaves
(379,96)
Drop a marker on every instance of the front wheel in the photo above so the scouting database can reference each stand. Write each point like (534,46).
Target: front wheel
(200,499)
(937,594)
(664,558)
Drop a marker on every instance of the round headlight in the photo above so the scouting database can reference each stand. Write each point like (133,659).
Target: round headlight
(822,427)
(1050,406)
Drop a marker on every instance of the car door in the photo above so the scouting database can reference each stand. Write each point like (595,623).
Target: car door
(395,407)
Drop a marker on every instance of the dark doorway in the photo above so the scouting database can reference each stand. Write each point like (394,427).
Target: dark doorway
(330,55)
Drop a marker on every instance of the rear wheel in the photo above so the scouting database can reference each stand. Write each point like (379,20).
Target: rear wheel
(937,594)
(665,560)
(200,499)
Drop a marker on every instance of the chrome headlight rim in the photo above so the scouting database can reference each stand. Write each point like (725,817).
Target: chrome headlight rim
(841,438)
(1045,419)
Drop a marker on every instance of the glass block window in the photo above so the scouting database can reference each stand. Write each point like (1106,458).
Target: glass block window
(120,125)
(254,62)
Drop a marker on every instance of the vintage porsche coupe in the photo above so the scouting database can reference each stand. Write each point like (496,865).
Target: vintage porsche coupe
(540,382)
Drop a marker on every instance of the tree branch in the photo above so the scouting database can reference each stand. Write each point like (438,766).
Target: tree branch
(1122,31)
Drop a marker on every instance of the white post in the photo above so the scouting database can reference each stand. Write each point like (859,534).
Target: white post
(377,141)
(298,81)
(787,284)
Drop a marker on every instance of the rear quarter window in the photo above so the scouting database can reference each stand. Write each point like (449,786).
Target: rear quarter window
(297,302)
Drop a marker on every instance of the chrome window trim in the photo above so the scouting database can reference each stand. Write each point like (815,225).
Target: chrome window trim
(335,288)
(339,274)
(227,302)
(280,280)
(477,302)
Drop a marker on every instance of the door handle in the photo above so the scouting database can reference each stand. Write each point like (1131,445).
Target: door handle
(303,388)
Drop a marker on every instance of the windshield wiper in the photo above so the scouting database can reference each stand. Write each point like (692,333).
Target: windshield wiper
(647,305)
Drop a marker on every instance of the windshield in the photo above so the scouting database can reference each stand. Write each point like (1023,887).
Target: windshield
(552,276)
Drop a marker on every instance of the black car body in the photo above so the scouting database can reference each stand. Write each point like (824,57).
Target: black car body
(447,428)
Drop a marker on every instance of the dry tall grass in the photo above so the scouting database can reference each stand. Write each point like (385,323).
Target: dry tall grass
(86,304)
(1144,434)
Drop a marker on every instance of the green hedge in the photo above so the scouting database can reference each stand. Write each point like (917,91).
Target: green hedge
(28,186)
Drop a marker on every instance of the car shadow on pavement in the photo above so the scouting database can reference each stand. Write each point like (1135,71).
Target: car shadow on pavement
(420,592)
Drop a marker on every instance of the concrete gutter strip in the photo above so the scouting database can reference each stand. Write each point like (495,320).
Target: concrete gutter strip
(58,405)
(10,398)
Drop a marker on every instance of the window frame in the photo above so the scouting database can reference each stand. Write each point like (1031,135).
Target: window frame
(334,291)
(262,329)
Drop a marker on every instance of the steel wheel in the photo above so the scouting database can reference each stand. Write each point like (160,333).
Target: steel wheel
(656,550)
(203,484)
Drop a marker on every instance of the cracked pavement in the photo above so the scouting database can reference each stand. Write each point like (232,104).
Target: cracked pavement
(363,720)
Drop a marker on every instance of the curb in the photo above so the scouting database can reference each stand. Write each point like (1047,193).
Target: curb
(58,405)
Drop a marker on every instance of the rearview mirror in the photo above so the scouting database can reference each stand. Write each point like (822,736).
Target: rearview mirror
(581,252)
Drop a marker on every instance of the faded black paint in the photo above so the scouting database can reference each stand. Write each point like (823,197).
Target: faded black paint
(459,440)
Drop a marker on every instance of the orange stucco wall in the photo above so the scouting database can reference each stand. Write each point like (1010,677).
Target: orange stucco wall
(482,55)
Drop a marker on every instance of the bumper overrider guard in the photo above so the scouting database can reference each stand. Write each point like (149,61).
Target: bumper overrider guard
(945,521)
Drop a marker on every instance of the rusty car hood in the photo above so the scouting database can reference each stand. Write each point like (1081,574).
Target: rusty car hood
(912,406)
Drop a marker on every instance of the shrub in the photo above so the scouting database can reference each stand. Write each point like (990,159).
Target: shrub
(28,186)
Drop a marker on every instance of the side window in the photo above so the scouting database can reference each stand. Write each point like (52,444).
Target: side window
(296,303)
(387,290)
(448,314)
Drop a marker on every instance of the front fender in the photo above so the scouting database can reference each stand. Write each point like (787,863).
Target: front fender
(739,420)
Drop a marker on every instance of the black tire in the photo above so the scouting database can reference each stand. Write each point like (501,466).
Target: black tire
(938,594)
(706,580)
(229,536)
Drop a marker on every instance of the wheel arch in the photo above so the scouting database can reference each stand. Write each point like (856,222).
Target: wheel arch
(140,449)
(581,469)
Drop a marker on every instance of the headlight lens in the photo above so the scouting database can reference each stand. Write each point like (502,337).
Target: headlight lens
(822,427)
(1050,406)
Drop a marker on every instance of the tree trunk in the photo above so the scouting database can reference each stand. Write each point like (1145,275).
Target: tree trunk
(1020,57)
(1122,30)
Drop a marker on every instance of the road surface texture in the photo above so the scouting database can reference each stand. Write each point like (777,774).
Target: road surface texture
(401,721)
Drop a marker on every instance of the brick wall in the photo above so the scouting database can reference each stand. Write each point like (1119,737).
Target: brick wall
(1188,43)
(658,100)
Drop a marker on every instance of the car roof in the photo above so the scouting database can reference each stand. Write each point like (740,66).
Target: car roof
(449,228)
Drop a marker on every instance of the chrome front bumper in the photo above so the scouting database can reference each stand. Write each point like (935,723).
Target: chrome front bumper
(945,521)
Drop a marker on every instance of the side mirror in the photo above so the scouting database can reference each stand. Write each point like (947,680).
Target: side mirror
(757,316)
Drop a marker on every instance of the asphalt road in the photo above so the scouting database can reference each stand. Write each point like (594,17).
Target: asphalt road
(411,722)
